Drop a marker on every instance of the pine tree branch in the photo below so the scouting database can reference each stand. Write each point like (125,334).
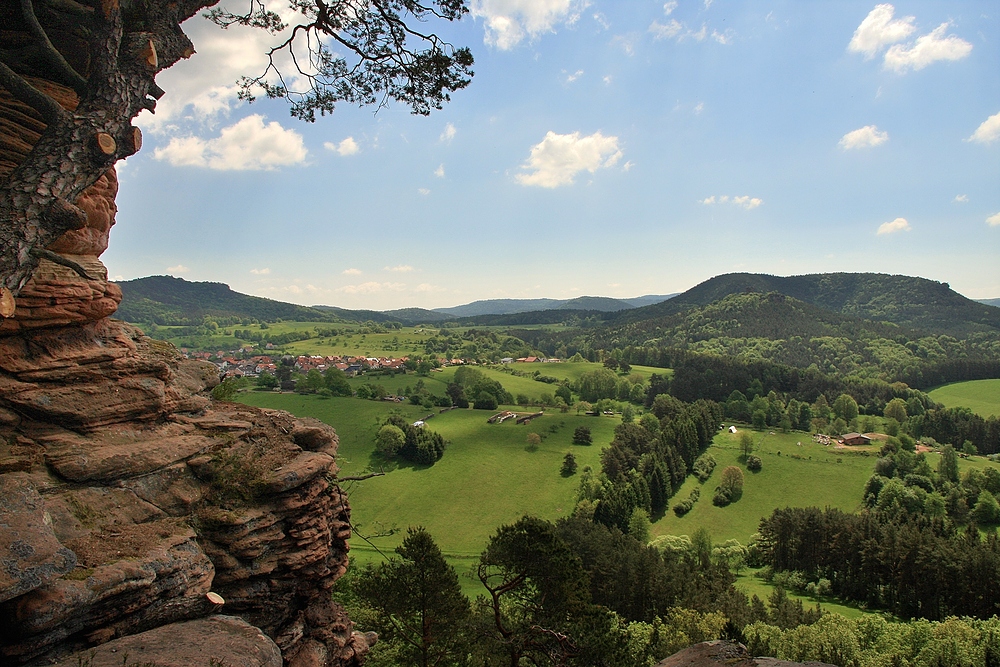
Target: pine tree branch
(52,55)
(23,91)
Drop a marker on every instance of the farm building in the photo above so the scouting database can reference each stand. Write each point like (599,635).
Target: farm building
(855,439)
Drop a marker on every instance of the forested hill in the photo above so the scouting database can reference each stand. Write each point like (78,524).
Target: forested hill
(169,300)
(913,302)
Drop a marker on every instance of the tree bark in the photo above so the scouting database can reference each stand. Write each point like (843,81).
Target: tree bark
(128,43)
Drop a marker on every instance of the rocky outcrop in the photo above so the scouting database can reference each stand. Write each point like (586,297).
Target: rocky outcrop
(730,654)
(128,526)
(132,508)
(220,640)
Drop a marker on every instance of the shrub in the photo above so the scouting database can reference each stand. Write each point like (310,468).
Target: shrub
(685,506)
(703,467)
(533,441)
(754,464)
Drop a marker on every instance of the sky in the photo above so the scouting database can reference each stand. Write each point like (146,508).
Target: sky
(604,147)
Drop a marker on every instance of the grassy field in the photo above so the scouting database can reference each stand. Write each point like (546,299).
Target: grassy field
(792,476)
(402,342)
(980,396)
(486,477)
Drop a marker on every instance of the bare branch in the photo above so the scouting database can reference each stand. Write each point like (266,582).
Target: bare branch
(361,478)
(52,55)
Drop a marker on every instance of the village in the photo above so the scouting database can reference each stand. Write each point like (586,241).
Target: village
(241,363)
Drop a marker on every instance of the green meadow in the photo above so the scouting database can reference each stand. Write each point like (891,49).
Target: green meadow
(980,396)
(797,472)
(487,476)
(354,342)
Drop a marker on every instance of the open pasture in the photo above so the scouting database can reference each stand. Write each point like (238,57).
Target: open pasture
(980,396)
(487,476)
(792,476)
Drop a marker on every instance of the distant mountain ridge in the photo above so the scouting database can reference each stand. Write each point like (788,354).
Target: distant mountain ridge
(515,306)
(167,299)
(914,303)
(990,302)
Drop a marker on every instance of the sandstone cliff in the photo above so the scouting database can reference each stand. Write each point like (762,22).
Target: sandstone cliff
(127,496)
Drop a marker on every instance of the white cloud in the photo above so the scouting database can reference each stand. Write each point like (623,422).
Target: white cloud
(574,76)
(402,268)
(669,7)
(602,20)
(423,192)
(723,37)
(260,272)
(628,166)
(607,80)
(508,22)
(993,220)
(427,287)
(747,202)
(448,133)
(203,89)
(928,49)
(557,158)
(626,43)
(667,30)
(439,172)
(708,3)
(698,108)
(246,145)
(863,137)
(879,30)
(180,268)
(743,201)
(897,225)
(351,272)
(988,131)
(346,147)
(371,287)
(961,199)
(696,36)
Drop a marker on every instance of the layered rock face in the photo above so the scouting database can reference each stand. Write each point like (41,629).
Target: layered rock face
(127,496)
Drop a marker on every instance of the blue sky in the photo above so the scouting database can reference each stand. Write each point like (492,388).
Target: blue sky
(612,148)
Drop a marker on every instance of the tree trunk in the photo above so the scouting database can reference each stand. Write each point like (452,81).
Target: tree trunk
(124,49)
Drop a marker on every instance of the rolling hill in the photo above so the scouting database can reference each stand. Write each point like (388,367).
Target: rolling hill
(912,302)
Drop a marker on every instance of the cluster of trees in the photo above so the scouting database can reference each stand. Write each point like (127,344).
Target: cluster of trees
(478,344)
(958,425)
(873,641)
(904,485)
(606,383)
(648,461)
(268,337)
(730,488)
(398,437)
(471,385)
(914,566)
(573,593)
